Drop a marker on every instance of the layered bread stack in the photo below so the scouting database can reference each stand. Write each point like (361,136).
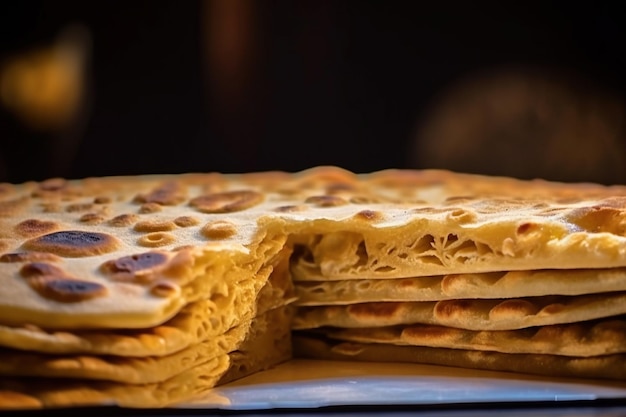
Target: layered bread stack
(144,291)
(475,283)
(116,293)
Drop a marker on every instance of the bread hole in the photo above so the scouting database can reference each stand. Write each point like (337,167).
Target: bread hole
(430,259)
(423,244)
(403,255)
(451,238)
(385,269)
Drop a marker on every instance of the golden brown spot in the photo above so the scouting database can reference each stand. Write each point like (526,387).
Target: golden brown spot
(154,226)
(67,290)
(29,257)
(227,202)
(9,207)
(73,243)
(290,209)
(186,221)
(156,239)
(219,229)
(448,309)
(421,332)
(4,245)
(164,289)
(37,269)
(363,200)
(513,308)
(147,208)
(123,220)
(134,263)
(92,218)
(552,309)
(72,208)
(326,201)
(34,227)
(102,200)
(374,310)
(51,207)
(339,187)
(167,194)
(368,215)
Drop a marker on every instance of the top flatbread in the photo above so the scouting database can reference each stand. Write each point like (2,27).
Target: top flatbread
(133,251)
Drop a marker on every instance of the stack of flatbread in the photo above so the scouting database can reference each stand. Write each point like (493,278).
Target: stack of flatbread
(491,273)
(144,291)
(115,292)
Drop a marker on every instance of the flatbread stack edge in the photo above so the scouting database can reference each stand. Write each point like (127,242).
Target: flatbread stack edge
(143,291)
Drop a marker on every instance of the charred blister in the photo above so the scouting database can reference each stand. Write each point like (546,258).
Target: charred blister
(135,263)
(28,257)
(291,208)
(37,269)
(227,202)
(73,243)
(369,215)
(35,227)
(186,221)
(67,290)
(326,201)
(167,194)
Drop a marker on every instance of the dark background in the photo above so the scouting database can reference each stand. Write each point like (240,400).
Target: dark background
(247,86)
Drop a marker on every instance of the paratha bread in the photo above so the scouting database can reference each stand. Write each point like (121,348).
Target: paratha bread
(195,323)
(267,338)
(99,252)
(511,284)
(128,254)
(583,339)
(600,367)
(145,370)
(31,393)
(500,314)
(127,370)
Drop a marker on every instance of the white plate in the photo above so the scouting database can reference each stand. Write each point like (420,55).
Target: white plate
(313,384)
